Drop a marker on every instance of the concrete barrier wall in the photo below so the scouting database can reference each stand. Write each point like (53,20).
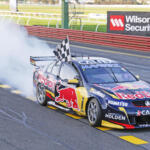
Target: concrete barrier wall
(106,39)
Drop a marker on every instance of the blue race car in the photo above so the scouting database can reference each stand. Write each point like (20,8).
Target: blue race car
(99,88)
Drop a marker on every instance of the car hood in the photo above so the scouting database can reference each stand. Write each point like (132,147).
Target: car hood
(127,91)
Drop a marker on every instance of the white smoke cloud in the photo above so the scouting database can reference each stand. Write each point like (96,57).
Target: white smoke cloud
(16,47)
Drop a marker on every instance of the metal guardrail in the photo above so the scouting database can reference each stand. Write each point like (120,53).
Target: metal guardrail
(98,19)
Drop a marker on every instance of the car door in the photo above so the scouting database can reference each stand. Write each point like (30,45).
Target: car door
(52,77)
(70,95)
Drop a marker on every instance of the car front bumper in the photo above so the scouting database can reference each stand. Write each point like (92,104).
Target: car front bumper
(126,118)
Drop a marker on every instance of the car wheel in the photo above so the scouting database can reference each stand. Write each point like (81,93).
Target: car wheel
(94,113)
(40,95)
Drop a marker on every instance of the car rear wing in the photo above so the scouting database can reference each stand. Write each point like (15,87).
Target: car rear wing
(34,59)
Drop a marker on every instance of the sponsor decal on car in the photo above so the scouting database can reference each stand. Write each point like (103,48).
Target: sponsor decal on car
(147,103)
(68,95)
(115,116)
(130,86)
(46,82)
(118,103)
(87,66)
(137,95)
(143,112)
(144,125)
(101,62)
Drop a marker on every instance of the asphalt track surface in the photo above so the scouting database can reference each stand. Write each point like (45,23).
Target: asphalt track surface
(25,125)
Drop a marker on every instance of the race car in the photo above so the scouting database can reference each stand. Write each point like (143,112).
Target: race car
(98,88)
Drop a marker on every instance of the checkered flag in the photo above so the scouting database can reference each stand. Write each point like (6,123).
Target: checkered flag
(63,51)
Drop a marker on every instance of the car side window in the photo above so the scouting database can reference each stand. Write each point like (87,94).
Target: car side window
(50,66)
(55,68)
(68,72)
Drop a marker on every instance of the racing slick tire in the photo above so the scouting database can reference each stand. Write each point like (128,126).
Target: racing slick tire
(94,113)
(40,95)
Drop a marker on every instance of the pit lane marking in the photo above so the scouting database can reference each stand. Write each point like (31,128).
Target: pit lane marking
(52,107)
(106,51)
(73,116)
(103,128)
(133,140)
(31,98)
(130,139)
(16,92)
(4,86)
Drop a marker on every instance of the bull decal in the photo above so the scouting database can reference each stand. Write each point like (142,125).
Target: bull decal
(68,95)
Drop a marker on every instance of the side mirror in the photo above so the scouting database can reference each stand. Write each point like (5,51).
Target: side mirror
(138,77)
(73,81)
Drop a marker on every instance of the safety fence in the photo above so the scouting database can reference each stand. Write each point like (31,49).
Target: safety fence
(27,16)
(98,38)
(54,19)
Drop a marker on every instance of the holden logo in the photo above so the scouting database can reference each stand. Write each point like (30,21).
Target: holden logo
(147,103)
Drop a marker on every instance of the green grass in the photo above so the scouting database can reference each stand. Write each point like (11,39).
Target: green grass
(87,27)
(31,22)
(102,28)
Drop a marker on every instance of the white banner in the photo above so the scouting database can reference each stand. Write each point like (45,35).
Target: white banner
(13,5)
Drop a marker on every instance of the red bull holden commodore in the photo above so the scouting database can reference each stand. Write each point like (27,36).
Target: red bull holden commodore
(99,88)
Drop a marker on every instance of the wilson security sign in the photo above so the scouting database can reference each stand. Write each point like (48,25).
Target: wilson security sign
(137,23)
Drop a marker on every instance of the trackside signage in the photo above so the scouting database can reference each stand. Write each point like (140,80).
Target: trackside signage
(135,23)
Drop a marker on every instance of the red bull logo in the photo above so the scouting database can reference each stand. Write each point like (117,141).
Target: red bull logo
(68,95)
(129,86)
(136,95)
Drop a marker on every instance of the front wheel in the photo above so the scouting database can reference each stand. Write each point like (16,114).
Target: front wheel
(94,113)
(40,95)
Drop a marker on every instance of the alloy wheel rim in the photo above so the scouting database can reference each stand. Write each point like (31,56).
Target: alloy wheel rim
(92,112)
(41,94)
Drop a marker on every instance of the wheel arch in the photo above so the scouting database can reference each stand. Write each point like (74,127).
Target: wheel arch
(89,99)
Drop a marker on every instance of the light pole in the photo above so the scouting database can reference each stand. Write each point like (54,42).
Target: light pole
(65,14)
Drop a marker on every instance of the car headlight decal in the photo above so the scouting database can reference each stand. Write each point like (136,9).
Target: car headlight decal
(112,95)
(125,112)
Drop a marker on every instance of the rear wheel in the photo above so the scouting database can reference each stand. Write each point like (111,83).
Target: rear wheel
(94,113)
(40,95)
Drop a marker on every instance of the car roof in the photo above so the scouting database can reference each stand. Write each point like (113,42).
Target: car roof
(93,60)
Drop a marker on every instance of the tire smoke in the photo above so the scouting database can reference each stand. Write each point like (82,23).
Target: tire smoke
(16,47)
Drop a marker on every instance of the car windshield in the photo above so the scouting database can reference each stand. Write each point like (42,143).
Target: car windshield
(104,75)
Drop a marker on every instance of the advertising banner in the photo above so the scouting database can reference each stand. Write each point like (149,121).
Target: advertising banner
(13,5)
(131,23)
